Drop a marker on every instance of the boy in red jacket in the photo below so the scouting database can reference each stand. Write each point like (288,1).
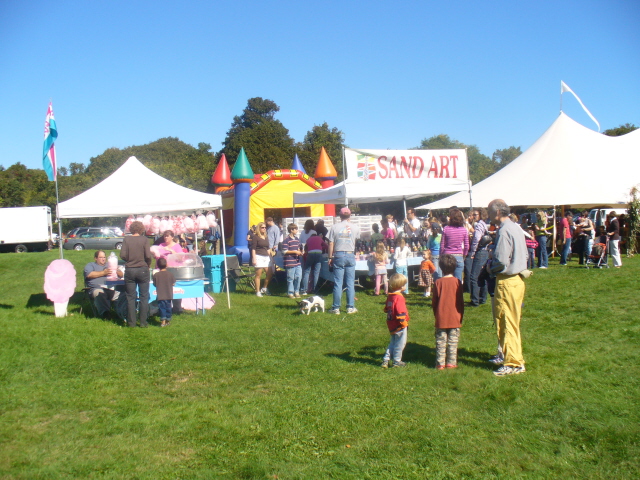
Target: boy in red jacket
(397,321)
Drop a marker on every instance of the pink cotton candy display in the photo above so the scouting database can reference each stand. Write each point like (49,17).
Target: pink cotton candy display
(178,226)
(188,224)
(128,223)
(202,222)
(163,225)
(155,226)
(60,281)
(211,220)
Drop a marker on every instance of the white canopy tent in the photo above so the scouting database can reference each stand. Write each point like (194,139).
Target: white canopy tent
(568,165)
(134,189)
(387,175)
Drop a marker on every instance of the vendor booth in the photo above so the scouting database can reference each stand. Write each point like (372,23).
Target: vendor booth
(133,188)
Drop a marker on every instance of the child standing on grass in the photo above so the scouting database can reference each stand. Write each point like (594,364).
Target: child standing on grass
(401,255)
(381,258)
(164,282)
(448,309)
(427,269)
(397,321)
(292,253)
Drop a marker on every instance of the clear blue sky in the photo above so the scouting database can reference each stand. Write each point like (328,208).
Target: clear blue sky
(387,74)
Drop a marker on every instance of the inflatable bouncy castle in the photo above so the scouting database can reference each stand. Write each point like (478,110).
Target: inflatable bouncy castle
(248,199)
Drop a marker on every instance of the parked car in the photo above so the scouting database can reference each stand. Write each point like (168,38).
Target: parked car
(79,230)
(93,238)
(599,215)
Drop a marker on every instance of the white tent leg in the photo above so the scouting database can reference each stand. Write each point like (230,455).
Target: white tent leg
(224,255)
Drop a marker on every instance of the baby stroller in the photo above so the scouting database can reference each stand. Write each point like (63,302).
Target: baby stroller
(598,257)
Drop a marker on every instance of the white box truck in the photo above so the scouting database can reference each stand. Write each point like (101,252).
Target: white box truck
(24,229)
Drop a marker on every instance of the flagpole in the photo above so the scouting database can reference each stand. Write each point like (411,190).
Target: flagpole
(59,220)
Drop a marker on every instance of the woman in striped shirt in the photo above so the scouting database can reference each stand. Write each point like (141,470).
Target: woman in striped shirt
(455,240)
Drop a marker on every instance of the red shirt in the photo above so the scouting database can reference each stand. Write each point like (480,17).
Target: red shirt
(396,310)
(447,303)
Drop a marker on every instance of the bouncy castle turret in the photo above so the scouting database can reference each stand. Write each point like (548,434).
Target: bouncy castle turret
(221,178)
(326,175)
(297,164)
(241,176)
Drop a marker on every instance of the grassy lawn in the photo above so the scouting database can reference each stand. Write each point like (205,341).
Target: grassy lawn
(261,392)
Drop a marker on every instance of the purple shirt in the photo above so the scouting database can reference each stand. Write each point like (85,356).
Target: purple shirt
(455,241)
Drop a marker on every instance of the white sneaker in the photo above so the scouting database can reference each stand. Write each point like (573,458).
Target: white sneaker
(508,370)
(258,294)
(497,360)
(335,311)
(352,310)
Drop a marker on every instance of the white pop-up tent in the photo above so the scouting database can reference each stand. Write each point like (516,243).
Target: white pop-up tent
(134,189)
(386,175)
(568,165)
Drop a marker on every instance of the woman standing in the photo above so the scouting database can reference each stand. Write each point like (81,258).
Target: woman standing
(613,231)
(541,231)
(260,258)
(137,256)
(455,240)
(307,232)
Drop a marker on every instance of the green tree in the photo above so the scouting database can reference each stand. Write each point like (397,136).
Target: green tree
(480,166)
(621,130)
(265,140)
(505,156)
(320,136)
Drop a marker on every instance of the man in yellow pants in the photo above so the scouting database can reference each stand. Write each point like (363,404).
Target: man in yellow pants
(509,260)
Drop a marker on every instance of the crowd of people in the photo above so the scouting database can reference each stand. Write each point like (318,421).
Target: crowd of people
(487,253)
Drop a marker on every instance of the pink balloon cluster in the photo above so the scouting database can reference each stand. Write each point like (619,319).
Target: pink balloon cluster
(179,223)
(60,280)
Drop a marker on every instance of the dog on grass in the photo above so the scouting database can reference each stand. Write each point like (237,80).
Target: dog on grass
(312,303)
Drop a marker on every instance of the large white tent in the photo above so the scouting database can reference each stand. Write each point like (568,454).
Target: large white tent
(133,188)
(568,165)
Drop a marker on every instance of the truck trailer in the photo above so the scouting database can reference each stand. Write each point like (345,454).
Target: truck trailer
(25,229)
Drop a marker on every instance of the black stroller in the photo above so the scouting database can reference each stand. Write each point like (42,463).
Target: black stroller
(599,255)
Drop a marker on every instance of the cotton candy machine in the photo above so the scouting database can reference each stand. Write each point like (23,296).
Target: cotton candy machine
(185,266)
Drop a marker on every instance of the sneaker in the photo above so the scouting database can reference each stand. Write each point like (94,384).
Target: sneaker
(352,310)
(428,294)
(399,364)
(291,295)
(508,370)
(297,295)
(266,292)
(542,267)
(497,360)
(384,364)
(451,366)
(302,293)
(258,294)
(335,311)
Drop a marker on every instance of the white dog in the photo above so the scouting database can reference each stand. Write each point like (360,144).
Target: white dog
(312,303)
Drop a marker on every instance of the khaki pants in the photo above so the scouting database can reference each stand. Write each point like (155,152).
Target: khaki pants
(509,296)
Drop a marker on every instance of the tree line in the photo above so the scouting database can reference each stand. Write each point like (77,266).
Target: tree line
(265,139)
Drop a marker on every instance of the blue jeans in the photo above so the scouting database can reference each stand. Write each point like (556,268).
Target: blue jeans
(566,250)
(460,268)
(396,346)
(478,293)
(543,255)
(435,259)
(313,263)
(404,271)
(344,271)
(293,279)
(165,309)
(468,262)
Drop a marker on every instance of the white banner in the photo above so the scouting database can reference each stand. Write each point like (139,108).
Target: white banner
(435,167)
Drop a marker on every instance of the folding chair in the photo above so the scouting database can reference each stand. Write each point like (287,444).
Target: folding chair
(238,275)
(88,298)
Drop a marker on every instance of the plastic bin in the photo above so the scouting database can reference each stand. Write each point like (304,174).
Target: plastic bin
(214,271)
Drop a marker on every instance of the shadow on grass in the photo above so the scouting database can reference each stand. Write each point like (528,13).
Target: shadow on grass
(5,306)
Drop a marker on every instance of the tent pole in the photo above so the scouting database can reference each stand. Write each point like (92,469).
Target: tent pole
(224,254)
(59,220)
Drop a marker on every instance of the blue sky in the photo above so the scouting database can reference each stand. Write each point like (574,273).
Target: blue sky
(387,74)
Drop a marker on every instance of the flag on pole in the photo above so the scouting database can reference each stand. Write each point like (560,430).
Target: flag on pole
(565,88)
(49,148)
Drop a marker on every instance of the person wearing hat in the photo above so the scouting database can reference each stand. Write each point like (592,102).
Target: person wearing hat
(342,244)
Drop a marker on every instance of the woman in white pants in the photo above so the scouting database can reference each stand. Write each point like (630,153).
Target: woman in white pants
(613,230)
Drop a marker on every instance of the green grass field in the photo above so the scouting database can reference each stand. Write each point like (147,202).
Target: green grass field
(262,392)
